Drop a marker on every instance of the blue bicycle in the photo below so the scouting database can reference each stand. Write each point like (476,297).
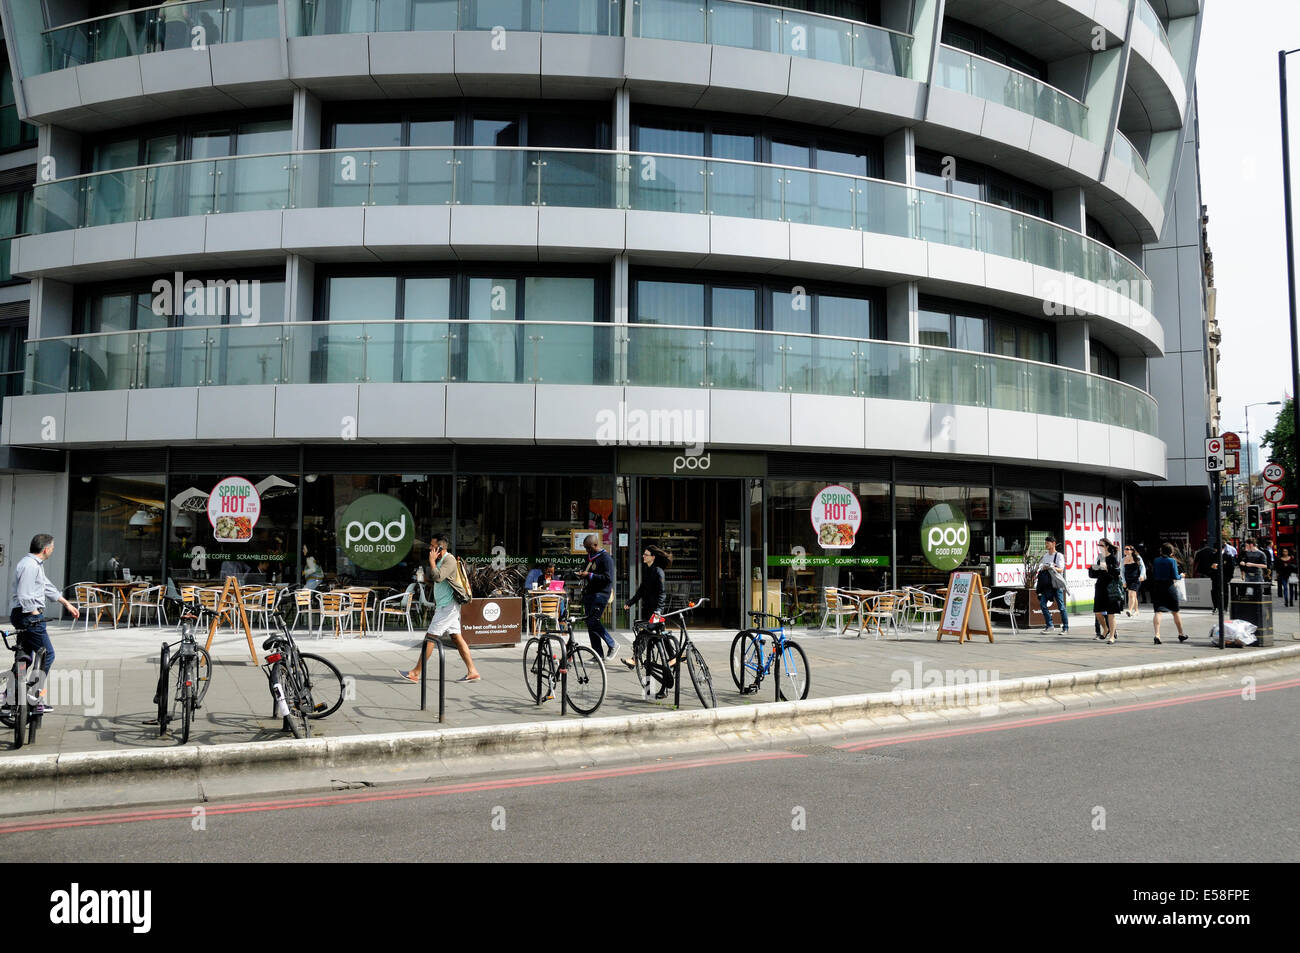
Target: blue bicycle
(755,650)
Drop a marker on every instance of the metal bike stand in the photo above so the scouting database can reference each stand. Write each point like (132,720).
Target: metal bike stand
(442,674)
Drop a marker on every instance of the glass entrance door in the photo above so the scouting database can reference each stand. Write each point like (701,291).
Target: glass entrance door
(700,523)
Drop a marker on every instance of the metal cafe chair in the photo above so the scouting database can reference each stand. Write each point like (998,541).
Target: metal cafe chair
(90,598)
(839,605)
(881,610)
(400,605)
(145,601)
(334,605)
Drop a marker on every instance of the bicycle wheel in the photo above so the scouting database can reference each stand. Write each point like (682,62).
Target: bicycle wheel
(6,706)
(533,660)
(793,678)
(747,662)
(585,688)
(288,680)
(324,681)
(203,674)
(700,676)
(651,660)
(187,690)
(161,698)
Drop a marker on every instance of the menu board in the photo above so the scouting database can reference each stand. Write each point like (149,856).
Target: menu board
(965,595)
(836,515)
(233,508)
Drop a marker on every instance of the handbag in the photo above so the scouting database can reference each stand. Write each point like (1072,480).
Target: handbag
(1179,588)
(1115,592)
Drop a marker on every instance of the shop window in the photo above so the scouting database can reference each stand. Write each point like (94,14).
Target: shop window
(115,524)
(1025,518)
(800,564)
(939,530)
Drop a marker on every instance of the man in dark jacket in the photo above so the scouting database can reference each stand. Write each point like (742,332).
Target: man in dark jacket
(1207,565)
(600,586)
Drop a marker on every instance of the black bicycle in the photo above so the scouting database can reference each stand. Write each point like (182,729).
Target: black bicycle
(319,678)
(754,652)
(18,709)
(187,666)
(656,655)
(555,658)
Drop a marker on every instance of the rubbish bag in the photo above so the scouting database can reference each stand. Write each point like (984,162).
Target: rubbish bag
(1236,633)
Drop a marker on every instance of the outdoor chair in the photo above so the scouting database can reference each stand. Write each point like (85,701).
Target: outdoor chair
(1004,602)
(145,601)
(924,607)
(307,602)
(336,606)
(400,605)
(546,606)
(839,605)
(260,603)
(93,599)
(881,610)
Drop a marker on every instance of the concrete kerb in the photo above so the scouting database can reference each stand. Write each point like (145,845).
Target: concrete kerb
(739,725)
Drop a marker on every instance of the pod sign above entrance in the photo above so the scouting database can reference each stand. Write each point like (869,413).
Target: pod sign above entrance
(376,531)
(945,537)
(836,515)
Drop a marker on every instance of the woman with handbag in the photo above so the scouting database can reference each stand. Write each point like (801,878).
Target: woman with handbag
(1108,594)
(1165,576)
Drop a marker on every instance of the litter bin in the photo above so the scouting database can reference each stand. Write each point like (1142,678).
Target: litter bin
(1253,602)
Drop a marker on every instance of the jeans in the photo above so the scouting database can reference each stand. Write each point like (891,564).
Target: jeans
(594,606)
(32,635)
(1057,596)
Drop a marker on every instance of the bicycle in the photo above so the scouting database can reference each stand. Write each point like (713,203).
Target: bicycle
(319,677)
(190,667)
(18,710)
(753,652)
(655,654)
(581,674)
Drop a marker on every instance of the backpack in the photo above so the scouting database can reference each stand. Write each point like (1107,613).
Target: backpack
(459,582)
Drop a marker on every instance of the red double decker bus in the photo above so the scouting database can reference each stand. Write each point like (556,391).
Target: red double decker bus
(1279,525)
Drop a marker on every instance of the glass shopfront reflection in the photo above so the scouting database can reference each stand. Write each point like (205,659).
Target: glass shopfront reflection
(194,553)
(939,530)
(115,527)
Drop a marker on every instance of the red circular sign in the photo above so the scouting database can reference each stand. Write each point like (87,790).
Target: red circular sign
(1274,494)
(1214,445)
(1274,472)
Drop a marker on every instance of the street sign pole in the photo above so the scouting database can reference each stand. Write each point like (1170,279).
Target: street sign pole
(1218,551)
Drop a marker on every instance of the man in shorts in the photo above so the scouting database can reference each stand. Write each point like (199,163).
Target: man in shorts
(446,614)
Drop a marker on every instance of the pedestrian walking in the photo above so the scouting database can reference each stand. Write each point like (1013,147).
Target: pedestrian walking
(1135,573)
(1286,571)
(1206,564)
(596,594)
(446,612)
(1108,593)
(1050,585)
(1253,562)
(31,589)
(652,594)
(1164,598)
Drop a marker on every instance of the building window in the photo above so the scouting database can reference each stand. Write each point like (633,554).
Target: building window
(15,219)
(968,327)
(972,39)
(974,180)
(14,133)
(1098,233)
(13,340)
(1102,360)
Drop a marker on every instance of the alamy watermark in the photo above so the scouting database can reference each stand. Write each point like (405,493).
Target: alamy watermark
(657,427)
(213,298)
(947,687)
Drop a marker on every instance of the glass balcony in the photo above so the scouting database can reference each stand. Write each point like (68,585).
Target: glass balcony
(582,179)
(1147,15)
(757,26)
(646,355)
(587,17)
(172,26)
(1125,153)
(985,79)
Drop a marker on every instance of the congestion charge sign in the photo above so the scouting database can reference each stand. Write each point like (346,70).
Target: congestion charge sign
(233,509)
(836,515)
(945,537)
(376,531)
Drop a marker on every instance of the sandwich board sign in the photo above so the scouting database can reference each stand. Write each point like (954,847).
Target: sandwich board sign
(965,592)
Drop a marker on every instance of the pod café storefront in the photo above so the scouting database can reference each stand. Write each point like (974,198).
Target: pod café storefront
(746,530)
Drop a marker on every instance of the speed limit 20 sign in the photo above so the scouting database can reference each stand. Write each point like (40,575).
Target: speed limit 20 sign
(1214,455)
(1274,472)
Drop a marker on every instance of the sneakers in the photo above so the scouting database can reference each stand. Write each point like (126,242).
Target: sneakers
(1049,628)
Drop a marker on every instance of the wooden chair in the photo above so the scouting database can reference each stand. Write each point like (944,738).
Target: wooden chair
(924,607)
(880,610)
(307,602)
(838,605)
(337,606)
(545,606)
(259,602)
(209,599)
(91,598)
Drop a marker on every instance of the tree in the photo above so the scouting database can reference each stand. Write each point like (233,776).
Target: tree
(1281,447)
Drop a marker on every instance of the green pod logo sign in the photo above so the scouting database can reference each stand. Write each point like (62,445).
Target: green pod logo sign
(945,537)
(376,531)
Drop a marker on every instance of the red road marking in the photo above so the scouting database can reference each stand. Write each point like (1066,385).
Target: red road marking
(335,799)
(1053,719)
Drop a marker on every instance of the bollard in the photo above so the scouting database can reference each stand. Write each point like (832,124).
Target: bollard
(442,674)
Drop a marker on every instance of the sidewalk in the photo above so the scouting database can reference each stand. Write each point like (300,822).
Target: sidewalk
(103,680)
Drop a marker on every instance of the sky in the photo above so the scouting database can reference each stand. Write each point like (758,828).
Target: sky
(1241,186)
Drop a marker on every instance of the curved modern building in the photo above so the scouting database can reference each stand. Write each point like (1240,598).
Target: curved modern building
(848,294)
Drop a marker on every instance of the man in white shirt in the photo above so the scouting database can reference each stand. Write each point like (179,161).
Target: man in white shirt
(1050,585)
(31,589)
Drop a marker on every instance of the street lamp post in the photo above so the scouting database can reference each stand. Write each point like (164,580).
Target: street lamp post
(1290,239)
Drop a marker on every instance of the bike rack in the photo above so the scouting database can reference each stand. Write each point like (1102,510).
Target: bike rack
(442,674)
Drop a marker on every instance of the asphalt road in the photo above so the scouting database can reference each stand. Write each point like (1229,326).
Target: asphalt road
(1198,777)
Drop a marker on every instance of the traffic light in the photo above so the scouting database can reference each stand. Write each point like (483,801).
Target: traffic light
(1252,517)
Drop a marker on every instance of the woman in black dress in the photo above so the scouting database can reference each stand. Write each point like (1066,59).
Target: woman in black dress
(1106,606)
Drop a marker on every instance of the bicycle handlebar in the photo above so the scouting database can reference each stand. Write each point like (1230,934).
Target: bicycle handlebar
(784,620)
(686,608)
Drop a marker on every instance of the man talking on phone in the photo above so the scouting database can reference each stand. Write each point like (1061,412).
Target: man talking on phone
(600,586)
(446,613)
